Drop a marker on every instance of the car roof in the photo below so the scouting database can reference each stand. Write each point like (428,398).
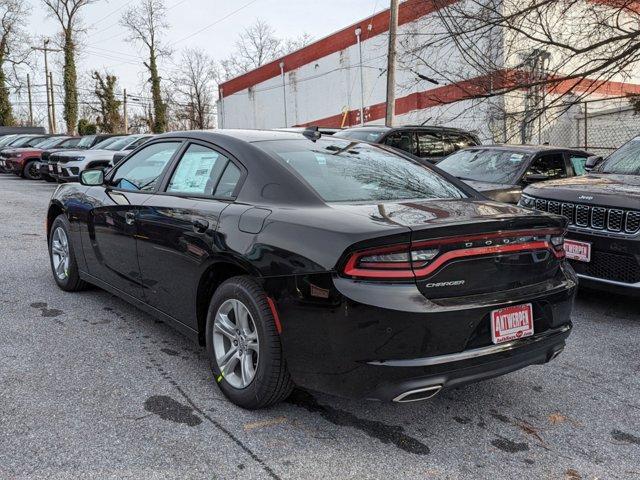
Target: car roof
(524,148)
(239,134)
(381,128)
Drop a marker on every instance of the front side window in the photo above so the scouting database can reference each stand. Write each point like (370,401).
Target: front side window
(105,143)
(198,171)
(624,161)
(550,166)
(142,171)
(485,165)
(430,145)
(343,171)
(404,141)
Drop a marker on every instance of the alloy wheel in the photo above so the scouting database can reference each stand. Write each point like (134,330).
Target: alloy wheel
(235,343)
(60,253)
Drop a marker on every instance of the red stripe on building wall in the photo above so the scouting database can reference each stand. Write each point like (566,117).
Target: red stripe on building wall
(409,11)
(468,89)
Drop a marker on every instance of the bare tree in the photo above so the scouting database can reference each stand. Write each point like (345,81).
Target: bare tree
(67,13)
(195,86)
(257,45)
(547,53)
(146,24)
(12,52)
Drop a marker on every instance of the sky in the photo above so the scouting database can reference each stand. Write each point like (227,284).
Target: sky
(212,25)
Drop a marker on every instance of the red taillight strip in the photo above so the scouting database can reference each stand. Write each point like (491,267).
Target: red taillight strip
(354,271)
(481,251)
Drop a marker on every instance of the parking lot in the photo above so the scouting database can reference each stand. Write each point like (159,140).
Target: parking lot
(90,387)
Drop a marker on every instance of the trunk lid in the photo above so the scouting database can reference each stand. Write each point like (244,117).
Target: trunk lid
(479,247)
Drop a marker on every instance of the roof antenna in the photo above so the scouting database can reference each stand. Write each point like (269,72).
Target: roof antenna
(312,133)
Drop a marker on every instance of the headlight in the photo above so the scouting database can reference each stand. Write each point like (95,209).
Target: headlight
(527,201)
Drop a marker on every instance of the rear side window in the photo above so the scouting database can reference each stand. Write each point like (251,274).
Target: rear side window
(142,171)
(198,171)
(404,141)
(228,182)
(578,162)
(430,145)
(340,171)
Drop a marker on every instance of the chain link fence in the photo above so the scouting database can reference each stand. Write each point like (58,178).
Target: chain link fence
(598,126)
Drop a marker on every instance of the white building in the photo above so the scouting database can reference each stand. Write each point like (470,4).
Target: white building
(337,79)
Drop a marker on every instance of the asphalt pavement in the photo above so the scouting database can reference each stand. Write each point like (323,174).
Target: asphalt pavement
(91,387)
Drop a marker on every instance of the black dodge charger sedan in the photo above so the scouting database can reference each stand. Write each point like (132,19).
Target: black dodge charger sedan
(603,208)
(315,261)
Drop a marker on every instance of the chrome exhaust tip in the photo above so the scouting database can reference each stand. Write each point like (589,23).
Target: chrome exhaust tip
(418,394)
(555,353)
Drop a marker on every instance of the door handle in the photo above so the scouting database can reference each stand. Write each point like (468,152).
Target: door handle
(130,218)
(200,226)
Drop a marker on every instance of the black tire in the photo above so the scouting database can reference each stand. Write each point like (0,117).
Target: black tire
(272,382)
(71,281)
(30,171)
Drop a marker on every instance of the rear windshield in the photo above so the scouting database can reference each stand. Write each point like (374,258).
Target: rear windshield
(364,135)
(485,165)
(625,160)
(343,171)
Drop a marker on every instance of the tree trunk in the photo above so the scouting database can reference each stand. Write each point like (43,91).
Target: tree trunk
(6,112)
(70,80)
(159,108)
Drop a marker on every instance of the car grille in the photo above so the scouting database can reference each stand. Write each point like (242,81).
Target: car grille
(611,266)
(597,218)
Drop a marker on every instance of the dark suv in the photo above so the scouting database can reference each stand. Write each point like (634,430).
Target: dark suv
(428,143)
(603,209)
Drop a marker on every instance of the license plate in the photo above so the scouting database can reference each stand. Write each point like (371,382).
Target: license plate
(575,250)
(51,168)
(512,323)
(59,169)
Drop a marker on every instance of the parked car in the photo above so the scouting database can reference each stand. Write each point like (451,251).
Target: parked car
(603,208)
(68,165)
(82,143)
(118,156)
(13,147)
(25,161)
(326,263)
(500,172)
(430,144)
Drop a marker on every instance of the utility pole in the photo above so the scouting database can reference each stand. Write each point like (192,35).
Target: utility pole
(30,102)
(46,49)
(358,39)
(124,111)
(53,105)
(391,63)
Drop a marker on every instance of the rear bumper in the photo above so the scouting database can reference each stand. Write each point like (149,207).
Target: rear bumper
(397,341)
(464,368)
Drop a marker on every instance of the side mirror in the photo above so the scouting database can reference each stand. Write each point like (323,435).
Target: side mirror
(92,178)
(592,162)
(535,177)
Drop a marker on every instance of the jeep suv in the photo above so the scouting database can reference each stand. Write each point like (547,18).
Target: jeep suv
(428,144)
(603,208)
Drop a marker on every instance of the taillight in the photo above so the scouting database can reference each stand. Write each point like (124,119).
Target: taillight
(421,259)
(558,245)
(397,261)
